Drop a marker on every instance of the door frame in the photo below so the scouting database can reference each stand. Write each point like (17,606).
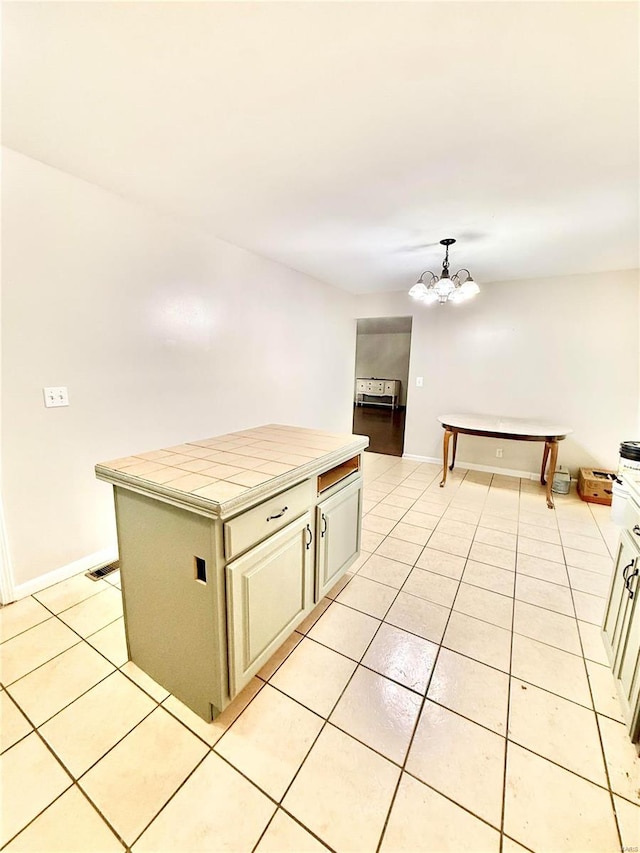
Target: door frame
(400,320)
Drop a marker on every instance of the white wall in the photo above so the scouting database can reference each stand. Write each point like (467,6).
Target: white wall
(384,356)
(564,349)
(162,334)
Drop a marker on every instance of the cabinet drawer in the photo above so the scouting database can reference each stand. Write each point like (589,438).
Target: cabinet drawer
(390,387)
(256,524)
(361,386)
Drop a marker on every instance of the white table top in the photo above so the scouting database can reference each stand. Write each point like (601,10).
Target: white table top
(502,424)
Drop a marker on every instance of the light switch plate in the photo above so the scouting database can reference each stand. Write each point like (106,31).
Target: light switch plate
(419,381)
(56,396)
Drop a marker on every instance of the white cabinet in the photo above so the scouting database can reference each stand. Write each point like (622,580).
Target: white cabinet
(337,536)
(211,592)
(378,388)
(617,604)
(269,591)
(621,628)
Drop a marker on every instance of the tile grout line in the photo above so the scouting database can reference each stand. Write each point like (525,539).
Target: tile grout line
(209,751)
(508,717)
(166,803)
(472,616)
(74,784)
(76,603)
(64,707)
(419,714)
(48,608)
(7,687)
(59,654)
(595,712)
(462,654)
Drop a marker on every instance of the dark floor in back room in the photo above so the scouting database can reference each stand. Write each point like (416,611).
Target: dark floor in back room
(383,425)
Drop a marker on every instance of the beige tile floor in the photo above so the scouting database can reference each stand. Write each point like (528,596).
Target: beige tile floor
(451,694)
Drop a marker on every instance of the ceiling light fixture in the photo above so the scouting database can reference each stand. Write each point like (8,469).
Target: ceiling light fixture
(445,287)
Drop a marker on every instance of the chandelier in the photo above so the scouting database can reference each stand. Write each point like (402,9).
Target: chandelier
(445,287)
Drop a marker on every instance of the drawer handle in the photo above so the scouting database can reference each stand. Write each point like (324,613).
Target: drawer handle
(636,529)
(324,525)
(626,569)
(278,514)
(310,540)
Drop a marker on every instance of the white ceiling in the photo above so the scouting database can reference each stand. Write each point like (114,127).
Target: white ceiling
(345,139)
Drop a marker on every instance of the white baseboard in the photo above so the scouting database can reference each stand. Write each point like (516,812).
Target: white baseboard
(84,564)
(472,466)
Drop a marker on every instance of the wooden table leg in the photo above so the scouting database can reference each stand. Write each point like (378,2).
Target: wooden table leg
(552,469)
(545,457)
(455,447)
(445,455)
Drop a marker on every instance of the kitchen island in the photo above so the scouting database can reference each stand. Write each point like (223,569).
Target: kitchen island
(226,544)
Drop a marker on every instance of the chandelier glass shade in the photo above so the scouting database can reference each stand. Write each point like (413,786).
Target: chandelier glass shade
(457,287)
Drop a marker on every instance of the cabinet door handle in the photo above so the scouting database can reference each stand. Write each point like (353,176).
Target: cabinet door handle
(627,582)
(310,539)
(626,569)
(278,514)
(636,529)
(324,525)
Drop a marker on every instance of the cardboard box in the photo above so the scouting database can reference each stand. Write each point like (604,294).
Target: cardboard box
(595,485)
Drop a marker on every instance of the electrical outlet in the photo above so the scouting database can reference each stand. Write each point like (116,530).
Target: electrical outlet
(499,452)
(57,396)
(419,381)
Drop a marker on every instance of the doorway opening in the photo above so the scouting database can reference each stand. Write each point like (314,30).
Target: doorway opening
(383,346)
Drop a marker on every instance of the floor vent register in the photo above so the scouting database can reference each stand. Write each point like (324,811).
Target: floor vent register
(103,571)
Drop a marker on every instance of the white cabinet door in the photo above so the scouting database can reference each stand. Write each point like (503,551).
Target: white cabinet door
(621,629)
(628,659)
(617,604)
(269,590)
(626,665)
(337,536)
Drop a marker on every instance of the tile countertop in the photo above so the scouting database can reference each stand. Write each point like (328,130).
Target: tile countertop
(217,476)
